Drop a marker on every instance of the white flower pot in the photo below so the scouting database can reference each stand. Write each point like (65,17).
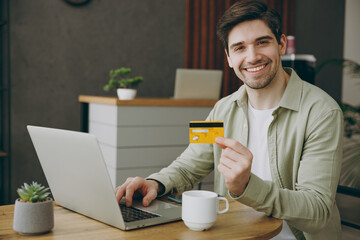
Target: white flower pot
(33,218)
(126,93)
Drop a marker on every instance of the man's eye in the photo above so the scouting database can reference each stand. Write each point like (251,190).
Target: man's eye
(262,42)
(240,48)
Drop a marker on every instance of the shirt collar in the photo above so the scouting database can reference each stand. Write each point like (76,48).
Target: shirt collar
(290,99)
(292,95)
(239,97)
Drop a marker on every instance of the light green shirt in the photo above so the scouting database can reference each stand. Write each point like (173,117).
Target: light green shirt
(305,150)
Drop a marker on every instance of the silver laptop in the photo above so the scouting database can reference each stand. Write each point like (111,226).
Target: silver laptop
(77,176)
(197,84)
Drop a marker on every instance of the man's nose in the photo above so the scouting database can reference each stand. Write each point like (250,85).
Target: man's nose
(253,55)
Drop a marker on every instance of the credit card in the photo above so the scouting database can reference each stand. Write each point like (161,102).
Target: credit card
(205,131)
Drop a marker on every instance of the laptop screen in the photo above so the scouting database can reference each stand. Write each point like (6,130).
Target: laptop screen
(197,84)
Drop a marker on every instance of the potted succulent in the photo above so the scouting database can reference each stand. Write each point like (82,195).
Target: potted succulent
(126,87)
(34,211)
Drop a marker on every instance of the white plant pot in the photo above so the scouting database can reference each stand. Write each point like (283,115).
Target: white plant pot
(33,218)
(126,93)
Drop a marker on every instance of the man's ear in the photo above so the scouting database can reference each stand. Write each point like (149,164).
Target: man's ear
(283,44)
(228,59)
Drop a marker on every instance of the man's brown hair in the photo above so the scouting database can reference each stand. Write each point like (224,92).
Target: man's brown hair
(247,10)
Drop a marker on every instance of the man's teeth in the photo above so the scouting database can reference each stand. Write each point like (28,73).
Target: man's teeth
(255,69)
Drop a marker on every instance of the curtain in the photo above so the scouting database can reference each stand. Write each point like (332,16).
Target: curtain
(203,50)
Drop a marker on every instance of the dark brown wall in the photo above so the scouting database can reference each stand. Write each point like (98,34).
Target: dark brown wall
(319,30)
(59,51)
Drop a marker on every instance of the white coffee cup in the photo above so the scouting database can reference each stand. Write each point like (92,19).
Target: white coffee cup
(200,209)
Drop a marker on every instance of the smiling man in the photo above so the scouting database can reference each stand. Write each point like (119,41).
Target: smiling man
(256,57)
(283,145)
(254,54)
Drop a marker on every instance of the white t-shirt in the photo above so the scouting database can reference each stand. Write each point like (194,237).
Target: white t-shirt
(259,122)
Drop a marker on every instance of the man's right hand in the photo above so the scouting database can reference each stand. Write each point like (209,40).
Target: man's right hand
(138,187)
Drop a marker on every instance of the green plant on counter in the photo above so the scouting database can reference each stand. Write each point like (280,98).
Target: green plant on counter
(350,171)
(351,113)
(118,80)
(33,193)
(350,65)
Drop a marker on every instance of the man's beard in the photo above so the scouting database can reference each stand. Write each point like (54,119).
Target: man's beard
(262,81)
(259,84)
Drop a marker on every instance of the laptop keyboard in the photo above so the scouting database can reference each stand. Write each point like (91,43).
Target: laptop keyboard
(131,214)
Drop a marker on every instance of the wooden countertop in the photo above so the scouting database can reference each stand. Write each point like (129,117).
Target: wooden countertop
(147,101)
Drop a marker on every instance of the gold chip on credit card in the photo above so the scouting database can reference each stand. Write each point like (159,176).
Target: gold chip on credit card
(205,131)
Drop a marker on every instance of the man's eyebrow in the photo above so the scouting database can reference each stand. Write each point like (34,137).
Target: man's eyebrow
(266,37)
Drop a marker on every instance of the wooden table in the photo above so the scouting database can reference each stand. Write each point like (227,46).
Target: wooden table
(240,222)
